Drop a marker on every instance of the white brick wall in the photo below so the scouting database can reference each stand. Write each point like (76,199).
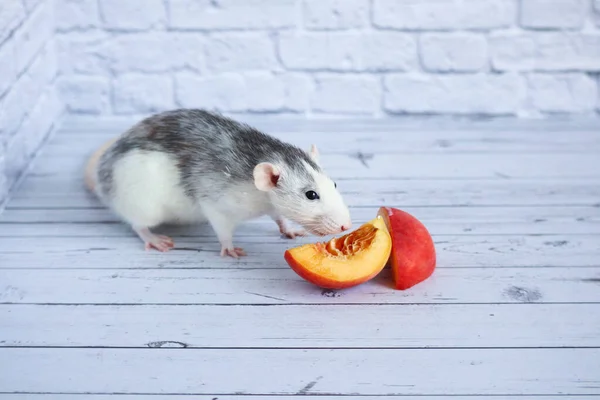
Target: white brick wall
(340,57)
(29,103)
(335,14)
(422,15)
(454,52)
(541,14)
(373,58)
(498,94)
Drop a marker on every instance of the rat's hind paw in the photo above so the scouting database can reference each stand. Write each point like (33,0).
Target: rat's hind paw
(234,252)
(154,241)
(160,243)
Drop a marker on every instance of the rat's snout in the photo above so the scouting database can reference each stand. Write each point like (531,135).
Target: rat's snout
(346,226)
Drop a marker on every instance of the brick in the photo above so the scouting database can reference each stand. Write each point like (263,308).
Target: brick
(97,53)
(269,92)
(553,13)
(443,14)
(42,118)
(116,14)
(26,91)
(80,52)
(12,14)
(16,159)
(31,4)
(44,68)
(454,94)
(44,114)
(85,94)
(346,94)
(33,34)
(563,93)
(232,14)
(598,88)
(21,147)
(545,51)
(220,92)
(8,70)
(142,93)
(3,182)
(462,52)
(19,99)
(349,51)
(335,14)
(248,92)
(236,51)
(297,89)
(154,52)
(76,14)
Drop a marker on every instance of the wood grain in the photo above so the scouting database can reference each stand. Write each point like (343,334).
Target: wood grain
(209,396)
(66,191)
(302,371)
(549,227)
(128,252)
(302,326)
(283,286)
(438,220)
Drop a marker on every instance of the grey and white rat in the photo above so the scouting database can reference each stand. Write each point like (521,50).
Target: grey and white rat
(192,165)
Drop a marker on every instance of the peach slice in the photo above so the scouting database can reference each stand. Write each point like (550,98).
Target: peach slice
(413,255)
(345,261)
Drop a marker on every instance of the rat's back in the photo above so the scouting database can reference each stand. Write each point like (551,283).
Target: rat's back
(146,175)
(211,152)
(164,166)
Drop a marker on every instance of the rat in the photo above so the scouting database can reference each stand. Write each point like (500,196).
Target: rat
(193,165)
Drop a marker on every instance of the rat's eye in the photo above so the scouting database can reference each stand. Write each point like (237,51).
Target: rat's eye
(312,195)
(335,185)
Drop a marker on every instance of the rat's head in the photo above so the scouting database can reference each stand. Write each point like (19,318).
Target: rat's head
(302,192)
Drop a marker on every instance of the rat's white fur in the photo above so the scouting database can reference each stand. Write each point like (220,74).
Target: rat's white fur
(147,191)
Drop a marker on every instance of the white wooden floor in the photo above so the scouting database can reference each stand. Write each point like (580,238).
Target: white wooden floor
(512,310)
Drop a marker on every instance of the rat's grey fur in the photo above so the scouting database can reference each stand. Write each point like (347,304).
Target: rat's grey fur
(212,151)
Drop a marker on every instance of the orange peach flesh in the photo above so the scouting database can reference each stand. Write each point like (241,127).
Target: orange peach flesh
(345,261)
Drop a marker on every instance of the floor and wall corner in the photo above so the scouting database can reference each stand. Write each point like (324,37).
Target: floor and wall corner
(30,107)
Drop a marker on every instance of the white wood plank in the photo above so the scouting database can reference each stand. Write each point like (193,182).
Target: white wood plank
(410,166)
(439,228)
(315,371)
(29,396)
(283,286)
(428,215)
(452,251)
(386,140)
(67,191)
(302,326)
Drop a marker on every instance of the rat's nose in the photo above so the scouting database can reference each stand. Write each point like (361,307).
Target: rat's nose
(346,227)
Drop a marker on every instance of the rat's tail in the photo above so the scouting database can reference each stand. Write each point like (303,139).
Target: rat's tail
(90,168)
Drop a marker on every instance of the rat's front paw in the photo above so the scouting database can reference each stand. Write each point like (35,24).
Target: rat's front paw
(234,252)
(291,234)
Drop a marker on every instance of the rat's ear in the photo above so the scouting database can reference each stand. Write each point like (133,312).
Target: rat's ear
(314,153)
(266,176)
